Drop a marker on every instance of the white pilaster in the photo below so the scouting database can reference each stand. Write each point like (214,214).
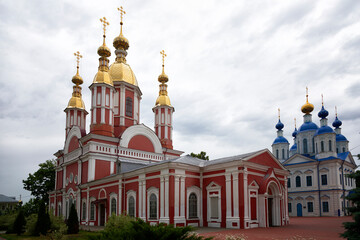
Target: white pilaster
(176,198)
(91,170)
(122,105)
(182,198)
(246,200)
(120,198)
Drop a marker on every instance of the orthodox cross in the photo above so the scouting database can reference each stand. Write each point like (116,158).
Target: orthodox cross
(104,23)
(307,94)
(295,122)
(78,56)
(122,12)
(322,99)
(163,57)
(279,113)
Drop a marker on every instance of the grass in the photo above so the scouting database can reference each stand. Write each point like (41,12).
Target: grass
(82,235)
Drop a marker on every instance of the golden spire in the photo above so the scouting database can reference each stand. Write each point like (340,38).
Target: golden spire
(163,78)
(295,122)
(163,98)
(307,108)
(122,12)
(322,100)
(76,100)
(105,23)
(103,50)
(77,79)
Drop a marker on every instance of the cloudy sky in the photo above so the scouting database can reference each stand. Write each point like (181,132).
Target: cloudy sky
(231,65)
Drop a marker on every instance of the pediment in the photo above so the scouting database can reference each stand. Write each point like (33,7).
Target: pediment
(213,185)
(298,159)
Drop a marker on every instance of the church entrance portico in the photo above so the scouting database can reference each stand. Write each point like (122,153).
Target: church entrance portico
(273,204)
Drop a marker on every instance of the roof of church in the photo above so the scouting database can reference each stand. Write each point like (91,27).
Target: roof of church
(308,126)
(6,199)
(324,129)
(280,139)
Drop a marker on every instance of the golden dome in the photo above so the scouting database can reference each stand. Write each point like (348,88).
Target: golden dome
(77,79)
(120,71)
(163,78)
(307,108)
(120,42)
(104,51)
(163,100)
(76,102)
(103,77)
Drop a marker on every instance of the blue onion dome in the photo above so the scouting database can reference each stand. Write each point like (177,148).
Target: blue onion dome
(293,147)
(337,123)
(324,129)
(280,139)
(308,126)
(340,138)
(279,125)
(323,113)
(295,133)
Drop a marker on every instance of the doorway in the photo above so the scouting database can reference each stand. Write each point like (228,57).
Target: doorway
(102,214)
(270,211)
(299,209)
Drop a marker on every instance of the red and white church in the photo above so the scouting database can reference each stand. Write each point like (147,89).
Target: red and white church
(123,166)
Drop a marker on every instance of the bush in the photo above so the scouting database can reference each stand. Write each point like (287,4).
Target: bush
(19,223)
(58,224)
(7,222)
(73,221)
(31,224)
(126,228)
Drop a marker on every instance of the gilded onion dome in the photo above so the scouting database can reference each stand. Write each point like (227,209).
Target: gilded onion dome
(76,99)
(307,108)
(163,99)
(103,76)
(120,71)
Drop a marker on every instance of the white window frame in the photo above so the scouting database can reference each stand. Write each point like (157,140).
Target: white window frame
(196,191)
(254,187)
(90,202)
(213,187)
(129,194)
(82,210)
(113,196)
(153,190)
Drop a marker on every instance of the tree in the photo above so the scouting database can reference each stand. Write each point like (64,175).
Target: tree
(73,221)
(31,207)
(201,155)
(19,223)
(43,221)
(353,228)
(42,181)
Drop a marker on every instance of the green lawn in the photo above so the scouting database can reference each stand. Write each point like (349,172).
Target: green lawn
(82,235)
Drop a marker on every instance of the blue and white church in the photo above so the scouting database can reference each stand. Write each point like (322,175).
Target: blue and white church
(319,161)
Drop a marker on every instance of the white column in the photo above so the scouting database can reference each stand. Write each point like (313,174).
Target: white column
(182,198)
(91,170)
(139,212)
(162,198)
(122,106)
(75,118)
(144,200)
(228,195)
(136,107)
(236,193)
(246,198)
(167,199)
(79,172)
(120,197)
(111,112)
(176,198)
(64,177)
(87,206)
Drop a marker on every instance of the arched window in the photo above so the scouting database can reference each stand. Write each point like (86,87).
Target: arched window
(83,211)
(59,210)
(153,206)
(113,206)
(305,146)
(330,147)
(313,145)
(92,211)
(337,150)
(129,107)
(343,149)
(298,181)
(322,146)
(283,153)
(131,206)
(277,153)
(192,206)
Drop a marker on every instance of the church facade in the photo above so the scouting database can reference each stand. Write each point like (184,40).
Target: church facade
(123,166)
(319,162)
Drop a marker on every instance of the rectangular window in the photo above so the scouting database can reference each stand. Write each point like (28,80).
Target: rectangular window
(289,183)
(92,211)
(310,207)
(298,181)
(98,98)
(214,207)
(340,179)
(308,181)
(289,207)
(107,100)
(325,206)
(324,179)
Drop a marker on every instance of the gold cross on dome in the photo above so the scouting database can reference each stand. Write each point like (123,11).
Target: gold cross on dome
(163,57)
(295,122)
(78,56)
(104,23)
(279,113)
(122,12)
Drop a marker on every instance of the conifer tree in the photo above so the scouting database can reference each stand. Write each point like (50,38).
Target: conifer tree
(43,222)
(19,223)
(73,221)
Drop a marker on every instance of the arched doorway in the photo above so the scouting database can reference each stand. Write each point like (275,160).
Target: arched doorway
(273,205)
(299,210)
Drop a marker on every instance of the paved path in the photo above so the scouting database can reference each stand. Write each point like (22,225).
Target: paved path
(326,228)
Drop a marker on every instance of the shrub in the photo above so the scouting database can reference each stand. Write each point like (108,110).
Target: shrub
(6,222)
(31,224)
(19,223)
(73,221)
